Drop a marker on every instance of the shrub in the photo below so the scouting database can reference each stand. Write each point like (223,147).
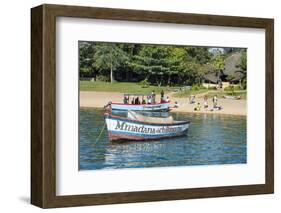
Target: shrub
(103,78)
(144,83)
(229,88)
(197,87)
(212,88)
(244,84)
(238,87)
(233,88)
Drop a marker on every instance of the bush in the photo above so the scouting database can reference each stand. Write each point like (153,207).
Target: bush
(233,88)
(144,83)
(212,88)
(197,87)
(244,84)
(103,78)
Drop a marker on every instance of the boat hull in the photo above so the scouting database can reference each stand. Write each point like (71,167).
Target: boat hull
(141,107)
(125,129)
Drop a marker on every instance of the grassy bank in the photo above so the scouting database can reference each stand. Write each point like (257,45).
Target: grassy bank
(122,87)
(132,87)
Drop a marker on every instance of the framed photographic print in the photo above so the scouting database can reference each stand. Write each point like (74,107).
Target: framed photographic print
(136,106)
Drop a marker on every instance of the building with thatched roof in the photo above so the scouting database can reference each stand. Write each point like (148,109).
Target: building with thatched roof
(231,72)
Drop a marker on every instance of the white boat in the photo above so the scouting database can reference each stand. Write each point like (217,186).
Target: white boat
(142,128)
(151,107)
(141,107)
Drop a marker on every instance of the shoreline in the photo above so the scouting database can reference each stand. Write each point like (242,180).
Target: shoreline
(91,99)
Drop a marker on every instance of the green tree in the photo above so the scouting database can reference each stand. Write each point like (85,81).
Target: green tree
(108,56)
(218,63)
(86,51)
(176,63)
(152,63)
(243,61)
(242,64)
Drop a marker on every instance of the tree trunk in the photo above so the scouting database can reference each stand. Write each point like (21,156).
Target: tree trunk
(159,82)
(111,75)
(111,70)
(169,80)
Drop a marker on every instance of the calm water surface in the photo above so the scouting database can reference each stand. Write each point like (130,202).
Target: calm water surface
(212,139)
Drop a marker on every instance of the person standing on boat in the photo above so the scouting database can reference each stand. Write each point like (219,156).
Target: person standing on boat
(133,101)
(167,99)
(153,97)
(162,97)
(126,100)
(149,99)
(137,101)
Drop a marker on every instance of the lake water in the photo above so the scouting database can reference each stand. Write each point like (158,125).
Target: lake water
(211,139)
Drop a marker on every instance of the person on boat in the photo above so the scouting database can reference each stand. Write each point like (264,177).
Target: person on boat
(149,99)
(126,100)
(137,101)
(162,100)
(107,107)
(167,99)
(143,101)
(133,101)
(197,107)
(153,97)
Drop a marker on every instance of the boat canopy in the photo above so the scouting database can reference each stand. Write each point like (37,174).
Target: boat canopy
(136,116)
(137,94)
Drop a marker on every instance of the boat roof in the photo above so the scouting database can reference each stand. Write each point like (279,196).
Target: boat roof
(137,94)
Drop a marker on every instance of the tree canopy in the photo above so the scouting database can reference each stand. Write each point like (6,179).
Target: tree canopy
(156,64)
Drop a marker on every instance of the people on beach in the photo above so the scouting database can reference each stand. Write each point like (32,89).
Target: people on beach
(197,107)
(215,101)
(176,105)
(205,102)
(191,99)
(215,104)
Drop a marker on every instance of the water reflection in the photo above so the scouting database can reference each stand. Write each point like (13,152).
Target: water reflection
(212,139)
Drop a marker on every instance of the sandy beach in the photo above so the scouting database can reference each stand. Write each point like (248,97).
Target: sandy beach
(230,107)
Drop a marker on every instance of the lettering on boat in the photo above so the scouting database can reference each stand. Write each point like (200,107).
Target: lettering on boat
(124,126)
